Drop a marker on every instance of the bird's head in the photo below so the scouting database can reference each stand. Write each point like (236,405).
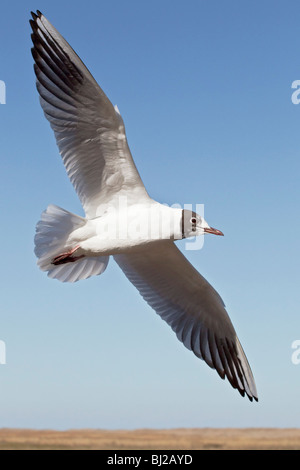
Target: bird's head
(192,224)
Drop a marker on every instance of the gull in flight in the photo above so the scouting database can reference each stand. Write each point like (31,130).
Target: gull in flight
(91,138)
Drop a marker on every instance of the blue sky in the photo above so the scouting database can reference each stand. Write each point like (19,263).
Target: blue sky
(205,92)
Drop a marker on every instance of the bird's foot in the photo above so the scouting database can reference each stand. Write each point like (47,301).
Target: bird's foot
(67,257)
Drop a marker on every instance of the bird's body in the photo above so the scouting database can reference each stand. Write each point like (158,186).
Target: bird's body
(122,220)
(121,229)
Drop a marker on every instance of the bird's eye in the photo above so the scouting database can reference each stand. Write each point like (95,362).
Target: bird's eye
(193,220)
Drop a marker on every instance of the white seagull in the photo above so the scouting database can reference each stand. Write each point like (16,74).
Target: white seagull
(91,138)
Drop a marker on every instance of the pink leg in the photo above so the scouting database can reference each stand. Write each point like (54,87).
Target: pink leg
(67,257)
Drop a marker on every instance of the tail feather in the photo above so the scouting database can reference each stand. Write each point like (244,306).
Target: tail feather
(81,269)
(52,233)
(53,230)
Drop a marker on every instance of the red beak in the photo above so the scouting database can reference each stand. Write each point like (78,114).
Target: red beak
(214,231)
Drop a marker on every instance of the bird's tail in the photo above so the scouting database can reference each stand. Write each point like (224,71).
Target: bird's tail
(51,241)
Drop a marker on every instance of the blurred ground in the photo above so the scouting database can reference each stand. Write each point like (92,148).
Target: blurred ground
(146,439)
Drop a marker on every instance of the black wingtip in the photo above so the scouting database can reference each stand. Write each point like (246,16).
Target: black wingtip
(36,15)
(252,397)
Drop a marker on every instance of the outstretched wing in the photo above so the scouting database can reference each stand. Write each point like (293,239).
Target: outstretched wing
(89,131)
(193,309)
